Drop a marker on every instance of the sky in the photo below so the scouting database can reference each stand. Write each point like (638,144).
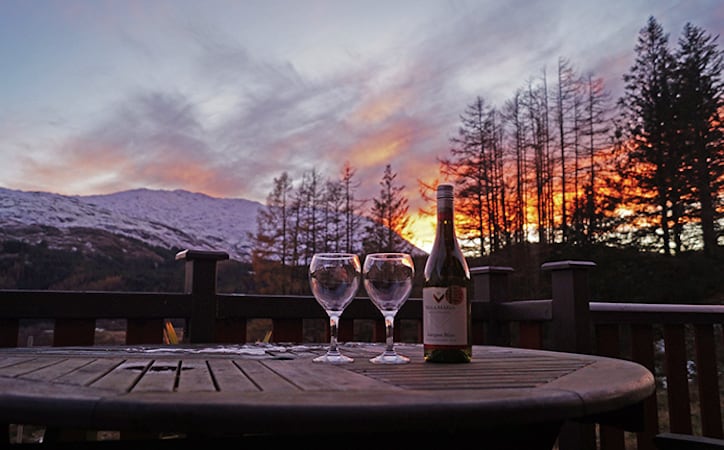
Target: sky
(221,97)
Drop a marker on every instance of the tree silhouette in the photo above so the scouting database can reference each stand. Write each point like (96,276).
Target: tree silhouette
(673,107)
(389,216)
(476,166)
(273,244)
(648,106)
(351,209)
(700,102)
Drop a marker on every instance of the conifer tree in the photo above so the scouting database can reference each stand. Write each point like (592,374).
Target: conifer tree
(389,216)
(648,105)
(700,102)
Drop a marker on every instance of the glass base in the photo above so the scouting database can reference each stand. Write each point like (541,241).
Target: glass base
(390,358)
(333,358)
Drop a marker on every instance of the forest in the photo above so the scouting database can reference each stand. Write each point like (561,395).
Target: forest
(561,165)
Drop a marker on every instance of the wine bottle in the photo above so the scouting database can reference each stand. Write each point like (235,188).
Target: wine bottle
(446,306)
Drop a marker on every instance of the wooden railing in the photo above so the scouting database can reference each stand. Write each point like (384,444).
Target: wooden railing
(681,344)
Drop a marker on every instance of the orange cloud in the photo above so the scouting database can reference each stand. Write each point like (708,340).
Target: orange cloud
(379,108)
(380,146)
(192,175)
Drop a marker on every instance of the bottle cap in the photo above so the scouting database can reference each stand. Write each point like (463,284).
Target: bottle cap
(444,190)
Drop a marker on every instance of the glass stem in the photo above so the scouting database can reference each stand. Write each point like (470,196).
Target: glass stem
(333,321)
(390,333)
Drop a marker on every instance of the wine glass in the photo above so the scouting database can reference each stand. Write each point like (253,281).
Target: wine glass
(334,279)
(388,282)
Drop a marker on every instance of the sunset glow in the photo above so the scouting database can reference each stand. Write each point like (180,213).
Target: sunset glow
(222,97)
(423,231)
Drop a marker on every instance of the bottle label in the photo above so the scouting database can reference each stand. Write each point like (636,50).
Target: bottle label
(444,312)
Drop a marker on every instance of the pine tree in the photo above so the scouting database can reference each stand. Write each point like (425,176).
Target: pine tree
(700,102)
(389,216)
(648,105)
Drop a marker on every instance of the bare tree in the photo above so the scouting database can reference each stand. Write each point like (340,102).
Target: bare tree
(565,114)
(272,244)
(596,133)
(471,166)
(352,207)
(310,223)
(333,212)
(536,105)
(514,115)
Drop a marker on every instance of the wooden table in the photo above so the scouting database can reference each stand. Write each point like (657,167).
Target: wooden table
(508,398)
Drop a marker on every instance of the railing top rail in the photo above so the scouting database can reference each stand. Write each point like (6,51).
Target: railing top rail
(19,303)
(657,308)
(37,304)
(656,313)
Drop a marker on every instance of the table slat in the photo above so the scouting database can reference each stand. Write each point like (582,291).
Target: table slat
(123,376)
(480,374)
(310,376)
(263,377)
(89,373)
(161,376)
(27,366)
(54,371)
(194,376)
(229,378)
(11,361)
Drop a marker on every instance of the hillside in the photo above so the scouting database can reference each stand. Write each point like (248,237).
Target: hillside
(116,264)
(168,219)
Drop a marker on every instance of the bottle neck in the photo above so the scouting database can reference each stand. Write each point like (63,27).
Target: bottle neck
(445,217)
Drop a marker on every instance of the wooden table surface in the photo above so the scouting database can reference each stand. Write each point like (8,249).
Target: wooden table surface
(277,389)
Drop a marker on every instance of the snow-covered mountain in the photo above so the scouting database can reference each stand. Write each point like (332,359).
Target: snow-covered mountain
(170,219)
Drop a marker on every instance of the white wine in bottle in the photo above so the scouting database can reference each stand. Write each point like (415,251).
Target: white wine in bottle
(445,304)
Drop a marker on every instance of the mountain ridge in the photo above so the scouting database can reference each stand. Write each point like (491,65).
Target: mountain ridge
(171,219)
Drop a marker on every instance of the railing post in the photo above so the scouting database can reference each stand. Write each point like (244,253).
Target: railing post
(201,284)
(9,332)
(571,324)
(571,330)
(491,284)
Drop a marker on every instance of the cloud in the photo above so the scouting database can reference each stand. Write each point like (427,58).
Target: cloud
(229,118)
(152,140)
(249,118)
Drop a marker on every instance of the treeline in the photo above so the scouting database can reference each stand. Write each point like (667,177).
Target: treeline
(321,214)
(124,265)
(110,263)
(560,162)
